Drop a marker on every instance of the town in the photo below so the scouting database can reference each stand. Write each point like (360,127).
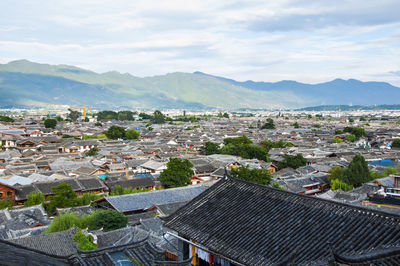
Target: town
(176,187)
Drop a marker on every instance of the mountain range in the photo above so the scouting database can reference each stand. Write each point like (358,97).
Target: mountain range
(28,84)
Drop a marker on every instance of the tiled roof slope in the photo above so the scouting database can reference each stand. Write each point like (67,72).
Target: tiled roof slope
(144,200)
(14,254)
(258,225)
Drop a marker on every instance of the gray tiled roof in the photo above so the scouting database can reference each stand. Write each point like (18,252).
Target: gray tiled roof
(59,243)
(141,201)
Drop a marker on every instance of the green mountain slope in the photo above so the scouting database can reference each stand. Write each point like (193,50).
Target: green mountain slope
(25,83)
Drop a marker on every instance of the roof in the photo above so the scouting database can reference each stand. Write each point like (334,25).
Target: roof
(14,254)
(153,165)
(145,200)
(59,243)
(258,225)
(132,183)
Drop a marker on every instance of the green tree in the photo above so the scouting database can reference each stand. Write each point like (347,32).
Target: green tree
(119,190)
(132,134)
(210,148)
(260,176)
(358,172)
(296,125)
(6,119)
(177,174)
(92,152)
(338,184)
(356,131)
(50,123)
(226,115)
(125,115)
(337,140)
(269,144)
(34,198)
(350,137)
(396,143)
(64,222)
(98,124)
(86,199)
(336,172)
(108,220)
(237,141)
(73,115)
(338,132)
(115,132)
(85,242)
(64,197)
(158,117)
(269,124)
(6,203)
(293,161)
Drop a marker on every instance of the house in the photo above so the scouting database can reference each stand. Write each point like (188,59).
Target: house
(7,192)
(153,167)
(87,170)
(140,202)
(79,185)
(147,183)
(250,224)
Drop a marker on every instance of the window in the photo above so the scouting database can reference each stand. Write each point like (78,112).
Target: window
(9,194)
(1,194)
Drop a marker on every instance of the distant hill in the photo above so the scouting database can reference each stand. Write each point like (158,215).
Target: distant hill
(25,83)
(351,107)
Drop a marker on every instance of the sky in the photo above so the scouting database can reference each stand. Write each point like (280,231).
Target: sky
(306,40)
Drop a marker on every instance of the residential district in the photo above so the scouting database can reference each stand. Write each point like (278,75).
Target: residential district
(199,188)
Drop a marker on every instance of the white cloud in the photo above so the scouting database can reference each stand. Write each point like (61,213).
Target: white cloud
(308,41)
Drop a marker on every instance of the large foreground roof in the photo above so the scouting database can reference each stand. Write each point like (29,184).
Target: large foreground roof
(258,225)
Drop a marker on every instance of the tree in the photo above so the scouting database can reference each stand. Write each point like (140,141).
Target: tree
(98,124)
(237,141)
(269,124)
(350,137)
(396,143)
(73,115)
(158,117)
(119,190)
(337,140)
(294,162)
(34,198)
(115,132)
(296,125)
(6,203)
(86,199)
(211,148)
(6,119)
(336,172)
(338,132)
(177,174)
(85,242)
(226,115)
(269,144)
(338,184)
(132,134)
(64,197)
(356,131)
(64,222)
(108,220)
(50,123)
(260,176)
(92,152)
(358,172)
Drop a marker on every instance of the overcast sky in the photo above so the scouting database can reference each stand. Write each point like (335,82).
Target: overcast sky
(308,41)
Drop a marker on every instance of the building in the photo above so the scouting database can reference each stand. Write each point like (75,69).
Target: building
(243,223)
